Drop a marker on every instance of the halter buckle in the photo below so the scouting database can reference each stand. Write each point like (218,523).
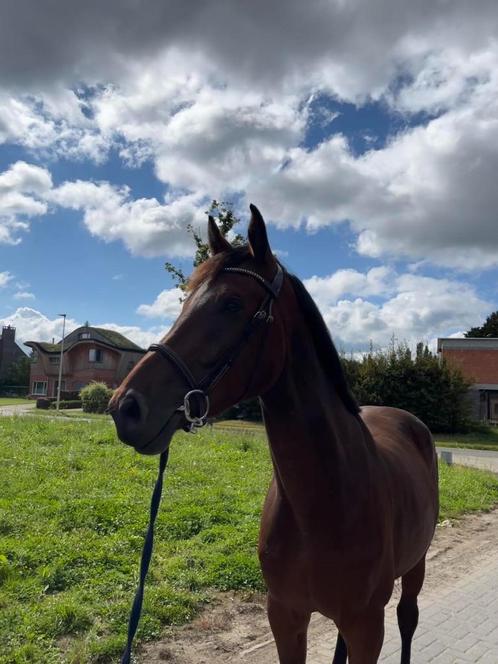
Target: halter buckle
(195,421)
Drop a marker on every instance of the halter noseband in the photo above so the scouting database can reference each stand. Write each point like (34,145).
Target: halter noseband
(198,390)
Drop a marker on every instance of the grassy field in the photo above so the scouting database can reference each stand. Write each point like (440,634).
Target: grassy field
(72,413)
(485,439)
(73,510)
(13,401)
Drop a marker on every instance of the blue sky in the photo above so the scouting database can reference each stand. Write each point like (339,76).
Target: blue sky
(370,146)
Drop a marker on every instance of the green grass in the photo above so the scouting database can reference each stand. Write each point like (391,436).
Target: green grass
(485,438)
(239,426)
(13,401)
(73,511)
(72,413)
(463,490)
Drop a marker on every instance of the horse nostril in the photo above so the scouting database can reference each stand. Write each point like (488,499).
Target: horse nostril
(131,407)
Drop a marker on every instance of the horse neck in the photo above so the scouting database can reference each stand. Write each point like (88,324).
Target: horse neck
(314,439)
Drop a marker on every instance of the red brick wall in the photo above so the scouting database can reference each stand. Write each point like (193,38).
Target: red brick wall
(480,366)
(79,371)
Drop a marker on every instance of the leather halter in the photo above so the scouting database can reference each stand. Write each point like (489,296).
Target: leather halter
(199,389)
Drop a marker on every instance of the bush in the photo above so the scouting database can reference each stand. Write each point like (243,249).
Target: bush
(422,384)
(67,403)
(44,403)
(95,397)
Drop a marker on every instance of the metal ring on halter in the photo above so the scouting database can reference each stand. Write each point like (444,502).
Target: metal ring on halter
(199,420)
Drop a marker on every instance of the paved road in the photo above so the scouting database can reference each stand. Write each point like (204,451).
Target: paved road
(458,607)
(457,624)
(484,459)
(18,409)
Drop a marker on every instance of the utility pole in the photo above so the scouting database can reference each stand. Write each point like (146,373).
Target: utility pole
(60,361)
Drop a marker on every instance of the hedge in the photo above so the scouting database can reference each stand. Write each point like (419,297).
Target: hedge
(68,403)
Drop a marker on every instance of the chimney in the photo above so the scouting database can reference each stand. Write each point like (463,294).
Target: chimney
(8,334)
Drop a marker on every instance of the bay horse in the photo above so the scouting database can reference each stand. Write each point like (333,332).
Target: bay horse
(353,502)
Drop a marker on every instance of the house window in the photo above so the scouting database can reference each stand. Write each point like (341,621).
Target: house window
(54,359)
(95,355)
(84,335)
(40,387)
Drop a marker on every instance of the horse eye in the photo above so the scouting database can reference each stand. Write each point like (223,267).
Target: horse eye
(232,305)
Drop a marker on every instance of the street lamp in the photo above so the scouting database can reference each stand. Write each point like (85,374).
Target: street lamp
(60,362)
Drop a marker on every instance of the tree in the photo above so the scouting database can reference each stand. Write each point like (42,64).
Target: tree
(430,389)
(488,329)
(226,220)
(18,372)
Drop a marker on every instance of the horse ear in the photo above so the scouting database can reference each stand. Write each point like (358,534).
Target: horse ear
(257,236)
(217,243)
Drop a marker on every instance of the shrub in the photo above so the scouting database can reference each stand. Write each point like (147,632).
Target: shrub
(43,403)
(420,383)
(95,397)
(70,395)
(67,403)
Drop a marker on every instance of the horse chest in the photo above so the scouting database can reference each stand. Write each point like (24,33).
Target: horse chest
(306,568)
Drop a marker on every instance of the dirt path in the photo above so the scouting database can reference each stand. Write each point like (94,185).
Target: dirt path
(18,409)
(459,612)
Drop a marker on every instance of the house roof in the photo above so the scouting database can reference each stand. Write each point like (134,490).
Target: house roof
(117,339)
(99,334)
(464,343)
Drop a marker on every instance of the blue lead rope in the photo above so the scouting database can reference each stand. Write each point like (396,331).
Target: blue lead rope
(136,609)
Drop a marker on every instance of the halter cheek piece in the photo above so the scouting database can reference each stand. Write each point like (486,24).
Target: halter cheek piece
(196,399)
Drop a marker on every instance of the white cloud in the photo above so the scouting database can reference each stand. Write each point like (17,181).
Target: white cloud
(24,295)
(52,123)
(429,194)
(22,190)
(166,305)
(33,325)
(356,48)
(146,226)
(5,277)
(328,290)
(413,307)
(228,116)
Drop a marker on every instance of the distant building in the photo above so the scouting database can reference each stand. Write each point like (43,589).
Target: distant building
(477,358)
(10,353)
(90,354)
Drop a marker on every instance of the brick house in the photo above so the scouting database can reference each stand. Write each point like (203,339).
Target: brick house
(477,358)
(90,353)
(10,353)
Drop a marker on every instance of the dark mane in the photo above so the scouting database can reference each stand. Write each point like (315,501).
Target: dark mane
(324,346)
(320,334)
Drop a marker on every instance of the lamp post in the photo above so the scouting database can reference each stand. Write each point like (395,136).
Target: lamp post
(60,361)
